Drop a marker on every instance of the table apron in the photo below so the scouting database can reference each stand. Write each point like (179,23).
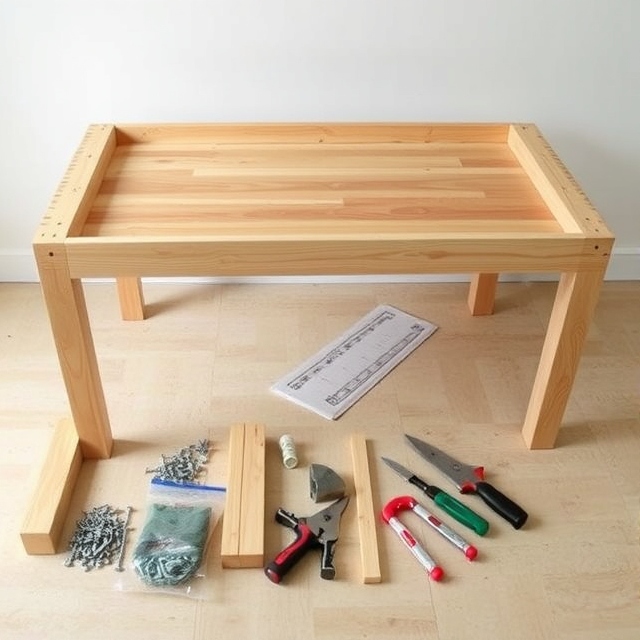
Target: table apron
(321,256)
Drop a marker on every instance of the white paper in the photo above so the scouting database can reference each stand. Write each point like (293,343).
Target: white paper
(336,377)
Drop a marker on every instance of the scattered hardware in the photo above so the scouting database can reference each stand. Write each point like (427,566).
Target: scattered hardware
(318,530)
(324,483)
(183,466)
(288,450)
(119,566)
(470,479)
(99,534)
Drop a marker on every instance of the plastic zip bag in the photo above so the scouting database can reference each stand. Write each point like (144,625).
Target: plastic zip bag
(171,548)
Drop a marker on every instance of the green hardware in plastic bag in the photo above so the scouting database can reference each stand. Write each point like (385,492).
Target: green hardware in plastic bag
(172,544)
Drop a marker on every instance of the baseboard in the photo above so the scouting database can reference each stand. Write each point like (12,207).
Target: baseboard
(20,266)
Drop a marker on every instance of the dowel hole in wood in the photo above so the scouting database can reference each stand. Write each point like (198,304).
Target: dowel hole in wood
(51,254)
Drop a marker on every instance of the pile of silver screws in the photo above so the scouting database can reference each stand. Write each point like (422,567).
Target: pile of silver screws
(99,534)
(183,466)
(167,570)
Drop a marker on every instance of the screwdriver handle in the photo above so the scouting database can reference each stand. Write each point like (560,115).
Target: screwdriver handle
(453,507)
(461,513)
(514,514)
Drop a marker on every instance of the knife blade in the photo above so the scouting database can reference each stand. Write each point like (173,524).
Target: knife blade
(470,479)
(446,502)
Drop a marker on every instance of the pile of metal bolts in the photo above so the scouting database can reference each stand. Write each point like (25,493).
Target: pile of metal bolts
(100,533)
(183,466)
(98,536)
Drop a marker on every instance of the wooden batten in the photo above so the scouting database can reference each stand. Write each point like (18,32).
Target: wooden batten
(49,505)
(369,555)
(243,521)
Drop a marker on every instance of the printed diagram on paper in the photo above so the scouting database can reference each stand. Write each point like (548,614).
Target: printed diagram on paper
(336,377)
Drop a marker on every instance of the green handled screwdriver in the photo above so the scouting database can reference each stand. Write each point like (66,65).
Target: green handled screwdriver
(447,503)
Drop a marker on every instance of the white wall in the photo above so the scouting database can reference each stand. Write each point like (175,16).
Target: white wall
(571,66)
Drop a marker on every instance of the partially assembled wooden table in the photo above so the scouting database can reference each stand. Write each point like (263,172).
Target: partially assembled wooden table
(308,199)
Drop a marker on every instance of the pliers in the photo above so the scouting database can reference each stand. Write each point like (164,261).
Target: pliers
(318,530)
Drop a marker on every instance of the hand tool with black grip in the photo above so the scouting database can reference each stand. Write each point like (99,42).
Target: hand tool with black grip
(470,479)
(446,502)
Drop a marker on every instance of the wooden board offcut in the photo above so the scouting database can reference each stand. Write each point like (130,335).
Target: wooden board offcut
(45,517)
(243,521)
(366,516)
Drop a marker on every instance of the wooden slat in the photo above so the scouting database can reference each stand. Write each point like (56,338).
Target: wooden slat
(366,515)
(556,185)
(243,521)
(224,225)
(230,545)
(312,132)
(48,508)
(251,548)
(70,204)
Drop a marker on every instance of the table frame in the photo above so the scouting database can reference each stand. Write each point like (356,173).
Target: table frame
(579,253)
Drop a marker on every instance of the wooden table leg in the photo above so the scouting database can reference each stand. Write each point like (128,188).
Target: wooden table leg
(131,298)
(482,293)
(573,308)
(67,309)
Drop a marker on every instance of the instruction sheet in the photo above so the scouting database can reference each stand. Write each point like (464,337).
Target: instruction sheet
(336,377)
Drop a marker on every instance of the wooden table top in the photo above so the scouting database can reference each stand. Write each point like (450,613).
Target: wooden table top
(287,179)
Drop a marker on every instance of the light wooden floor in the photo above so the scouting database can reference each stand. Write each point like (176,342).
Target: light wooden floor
(205,359)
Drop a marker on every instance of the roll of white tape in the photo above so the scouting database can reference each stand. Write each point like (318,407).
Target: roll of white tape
(288,449)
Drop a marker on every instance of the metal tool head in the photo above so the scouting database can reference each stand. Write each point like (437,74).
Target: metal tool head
(326,523)
(462,475)
(403,472)
(324,483)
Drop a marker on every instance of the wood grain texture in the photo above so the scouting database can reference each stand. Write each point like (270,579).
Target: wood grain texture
(224,176)
(47,511)
(205,358)
(232,518)
(131,298)
(243,522)
(482,293)
(576,299)
(252,514)
(557,186)
(369,556)
(67,311)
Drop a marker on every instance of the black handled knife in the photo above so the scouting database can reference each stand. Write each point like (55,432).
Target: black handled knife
(447,503)
(470,479)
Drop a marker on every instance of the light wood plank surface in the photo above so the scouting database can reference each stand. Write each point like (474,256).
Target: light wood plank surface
(204,360)
(204,185)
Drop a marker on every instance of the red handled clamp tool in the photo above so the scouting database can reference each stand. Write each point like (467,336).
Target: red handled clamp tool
(408,503)
(319,530)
